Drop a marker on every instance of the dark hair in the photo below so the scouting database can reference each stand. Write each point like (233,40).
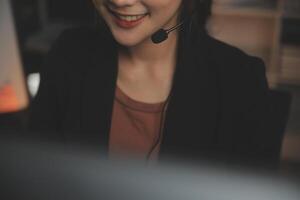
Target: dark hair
(198,10)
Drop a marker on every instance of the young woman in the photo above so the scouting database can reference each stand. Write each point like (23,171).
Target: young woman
(128,89)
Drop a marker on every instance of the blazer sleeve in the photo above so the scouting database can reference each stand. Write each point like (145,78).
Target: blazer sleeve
(255,142)
(46,108)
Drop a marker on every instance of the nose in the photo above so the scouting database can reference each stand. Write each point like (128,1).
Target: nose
(122,3)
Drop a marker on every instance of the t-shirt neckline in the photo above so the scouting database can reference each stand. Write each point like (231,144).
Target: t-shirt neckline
(133,104)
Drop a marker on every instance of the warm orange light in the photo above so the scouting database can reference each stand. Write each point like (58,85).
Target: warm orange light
(8,99)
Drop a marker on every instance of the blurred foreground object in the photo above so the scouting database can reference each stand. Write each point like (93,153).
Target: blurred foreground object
(39,170)
(13,94)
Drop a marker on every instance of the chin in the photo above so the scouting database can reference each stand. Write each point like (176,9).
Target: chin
(129,40)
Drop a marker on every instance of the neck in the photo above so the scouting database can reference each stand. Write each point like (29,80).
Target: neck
(150,54)
(146,71)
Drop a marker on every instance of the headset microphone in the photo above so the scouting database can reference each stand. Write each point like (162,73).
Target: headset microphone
(161,35)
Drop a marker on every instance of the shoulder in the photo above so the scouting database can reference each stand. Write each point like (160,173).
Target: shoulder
(230,57)
(75,48)
(232,63)
(239,75)
(80,40)
(85,35)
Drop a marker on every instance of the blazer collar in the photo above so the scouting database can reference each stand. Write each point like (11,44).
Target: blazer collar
(98,90)
(192,112)
(191,119)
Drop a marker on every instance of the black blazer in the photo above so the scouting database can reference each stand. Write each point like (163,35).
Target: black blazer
(217,109)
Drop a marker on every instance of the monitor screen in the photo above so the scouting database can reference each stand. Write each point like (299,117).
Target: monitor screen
(13,93)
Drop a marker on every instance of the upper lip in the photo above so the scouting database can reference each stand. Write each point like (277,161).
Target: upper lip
(123,14)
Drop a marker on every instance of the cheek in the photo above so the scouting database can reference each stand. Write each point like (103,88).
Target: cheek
(104,13)
(97,3)
(166,5)
(164,9)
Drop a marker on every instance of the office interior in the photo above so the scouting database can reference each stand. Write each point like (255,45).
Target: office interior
(269,29)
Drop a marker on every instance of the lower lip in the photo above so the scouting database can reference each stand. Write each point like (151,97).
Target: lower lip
(128,24)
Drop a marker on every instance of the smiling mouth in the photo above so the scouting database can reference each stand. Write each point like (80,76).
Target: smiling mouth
(127,18)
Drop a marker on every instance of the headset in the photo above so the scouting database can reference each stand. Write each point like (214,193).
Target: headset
(162,34)
(158,37)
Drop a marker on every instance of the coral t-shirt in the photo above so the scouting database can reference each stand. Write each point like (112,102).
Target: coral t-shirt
(135,128)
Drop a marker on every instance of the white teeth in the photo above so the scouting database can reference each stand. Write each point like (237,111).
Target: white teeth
(131,18)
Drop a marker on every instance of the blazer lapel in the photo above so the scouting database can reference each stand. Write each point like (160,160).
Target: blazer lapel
(192,114)
(98,94)
(191,118)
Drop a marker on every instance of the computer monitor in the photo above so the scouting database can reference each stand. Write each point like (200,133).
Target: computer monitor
(13,92)
(51,171)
